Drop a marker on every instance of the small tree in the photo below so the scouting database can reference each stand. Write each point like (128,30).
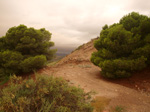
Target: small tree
(123,48)
(24,49)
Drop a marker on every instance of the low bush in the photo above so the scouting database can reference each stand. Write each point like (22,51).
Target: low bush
(44,94)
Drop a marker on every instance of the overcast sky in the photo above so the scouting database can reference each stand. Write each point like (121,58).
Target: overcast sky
(71,22)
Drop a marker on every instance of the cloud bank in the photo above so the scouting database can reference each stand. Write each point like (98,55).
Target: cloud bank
(71,22)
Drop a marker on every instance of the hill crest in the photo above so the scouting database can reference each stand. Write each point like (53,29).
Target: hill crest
(77,69)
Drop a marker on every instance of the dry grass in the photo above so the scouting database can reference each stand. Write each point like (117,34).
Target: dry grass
(100,103)
(84,66)
(118,108)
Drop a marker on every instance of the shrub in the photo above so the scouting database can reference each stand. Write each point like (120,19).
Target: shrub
(31,63)
(119,108)
(123,48)
(24,49)
(44,94)
(10,61)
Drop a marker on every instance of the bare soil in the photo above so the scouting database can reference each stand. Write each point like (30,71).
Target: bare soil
(132,93)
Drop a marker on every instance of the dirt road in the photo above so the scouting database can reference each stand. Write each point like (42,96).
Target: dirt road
(78,70)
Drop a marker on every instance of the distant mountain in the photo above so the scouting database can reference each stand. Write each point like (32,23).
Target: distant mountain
(61,54)
(64,50)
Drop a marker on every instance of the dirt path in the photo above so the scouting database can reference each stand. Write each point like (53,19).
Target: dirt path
(78,70)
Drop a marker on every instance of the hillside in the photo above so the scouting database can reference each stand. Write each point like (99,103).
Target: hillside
(132,93)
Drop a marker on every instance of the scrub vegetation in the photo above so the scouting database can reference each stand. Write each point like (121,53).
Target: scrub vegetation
(43,94)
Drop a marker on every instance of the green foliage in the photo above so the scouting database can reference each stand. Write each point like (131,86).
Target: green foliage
(10,61)
(2,44)
(29,64)
(24,49)
(44,94)
(119,108)
(105,27)
(28,41)
(123,48)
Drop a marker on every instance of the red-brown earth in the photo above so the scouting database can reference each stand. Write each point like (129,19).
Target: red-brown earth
(132,93)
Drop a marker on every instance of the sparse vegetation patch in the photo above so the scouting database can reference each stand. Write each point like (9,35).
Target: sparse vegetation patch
(44,94)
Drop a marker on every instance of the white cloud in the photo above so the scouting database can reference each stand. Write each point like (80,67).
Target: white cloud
(72,22)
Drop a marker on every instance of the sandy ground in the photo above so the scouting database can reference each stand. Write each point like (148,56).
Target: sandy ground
(77,69)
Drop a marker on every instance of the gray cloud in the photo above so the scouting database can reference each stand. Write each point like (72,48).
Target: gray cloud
(71,22)
(140,6)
